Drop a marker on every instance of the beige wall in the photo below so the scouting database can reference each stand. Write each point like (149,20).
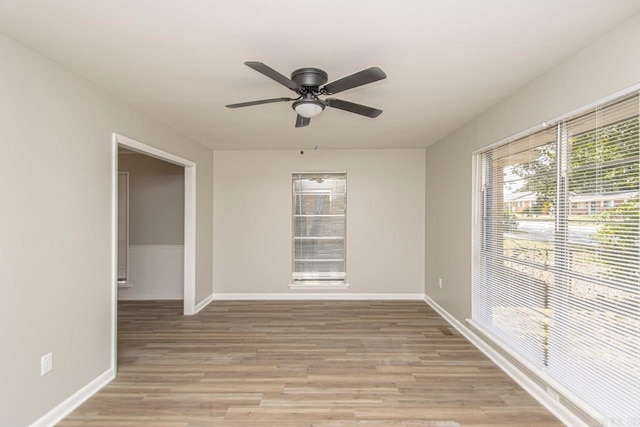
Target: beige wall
(608,65)
(385,218)
(55,239)
(156,200)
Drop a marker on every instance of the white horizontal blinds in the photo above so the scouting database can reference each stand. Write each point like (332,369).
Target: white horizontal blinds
(557,255)
(319,226)
(516,244)
(595,340)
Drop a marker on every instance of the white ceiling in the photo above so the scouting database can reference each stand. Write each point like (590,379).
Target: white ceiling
(181,61)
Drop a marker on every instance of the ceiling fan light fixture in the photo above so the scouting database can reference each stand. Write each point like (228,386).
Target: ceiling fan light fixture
(308,107)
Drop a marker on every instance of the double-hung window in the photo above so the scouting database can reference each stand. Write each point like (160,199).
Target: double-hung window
(558,282)
(319,228)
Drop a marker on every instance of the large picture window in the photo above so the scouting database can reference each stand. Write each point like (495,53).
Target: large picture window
(556,274)
(319,228)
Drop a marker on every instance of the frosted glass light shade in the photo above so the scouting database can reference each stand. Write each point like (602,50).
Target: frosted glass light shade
(308,108)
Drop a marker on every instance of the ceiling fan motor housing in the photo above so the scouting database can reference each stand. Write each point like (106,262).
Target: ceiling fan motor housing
(309,77)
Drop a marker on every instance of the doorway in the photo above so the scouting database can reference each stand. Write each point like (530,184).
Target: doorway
(119,141)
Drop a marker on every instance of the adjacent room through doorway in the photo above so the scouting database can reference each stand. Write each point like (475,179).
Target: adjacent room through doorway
(150,228)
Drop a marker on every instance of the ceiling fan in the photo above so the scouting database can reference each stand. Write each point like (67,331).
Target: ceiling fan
(308,84)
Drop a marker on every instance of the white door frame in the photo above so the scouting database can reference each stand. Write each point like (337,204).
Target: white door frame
(189,225)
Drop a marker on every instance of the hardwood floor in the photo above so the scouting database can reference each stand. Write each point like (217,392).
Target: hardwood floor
(302,363)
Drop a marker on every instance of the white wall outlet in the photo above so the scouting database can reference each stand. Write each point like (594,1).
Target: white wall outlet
(46,363)
(440,282)
(553,394)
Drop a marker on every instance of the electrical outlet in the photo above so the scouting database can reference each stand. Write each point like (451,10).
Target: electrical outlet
(46,363)
(553,394)
(440,282)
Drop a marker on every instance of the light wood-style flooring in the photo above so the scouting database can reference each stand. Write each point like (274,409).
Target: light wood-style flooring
(302,363)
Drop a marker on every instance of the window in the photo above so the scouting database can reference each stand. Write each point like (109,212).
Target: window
(560,286)
(123,228)
(319,228)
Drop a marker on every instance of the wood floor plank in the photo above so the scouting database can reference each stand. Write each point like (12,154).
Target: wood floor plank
(301,363)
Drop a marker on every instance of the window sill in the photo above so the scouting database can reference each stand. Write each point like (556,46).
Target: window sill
(319,285)
(124,285)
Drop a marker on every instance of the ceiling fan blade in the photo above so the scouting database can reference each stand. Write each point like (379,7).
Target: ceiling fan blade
(302,121)
(272,74)
(352,107)
(370,75)
(262,101)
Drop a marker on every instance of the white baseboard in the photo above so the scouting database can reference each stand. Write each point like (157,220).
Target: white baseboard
(76,399)
(202,304)
(318,296)
(530,386)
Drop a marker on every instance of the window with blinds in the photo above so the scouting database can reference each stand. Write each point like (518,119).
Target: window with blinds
(556,270)
(123,228)
(319,228)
